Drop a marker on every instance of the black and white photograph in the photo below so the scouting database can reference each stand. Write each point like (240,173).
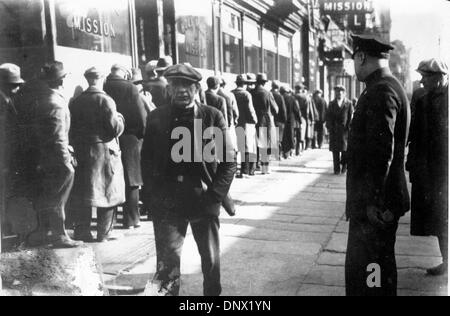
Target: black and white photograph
(225,152)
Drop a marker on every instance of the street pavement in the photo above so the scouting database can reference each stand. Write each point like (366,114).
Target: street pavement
(288,239)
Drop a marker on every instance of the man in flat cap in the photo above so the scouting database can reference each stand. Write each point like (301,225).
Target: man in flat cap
(55,162)
(428,159)
(188,190)
(129,103)
(99,179)
(377,192)
(339,116)
(10,82)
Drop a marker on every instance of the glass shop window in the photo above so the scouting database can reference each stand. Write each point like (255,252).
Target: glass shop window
(285,56)
(232,41)
(252,47)
(21,23)
(94,25)
(195,40)
(270,54)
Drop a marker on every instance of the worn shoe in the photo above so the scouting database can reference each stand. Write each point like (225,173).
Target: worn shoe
(110,237)
(87,237)
(64,242)
(438,271)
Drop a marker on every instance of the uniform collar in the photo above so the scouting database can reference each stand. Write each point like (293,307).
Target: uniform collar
(376,75)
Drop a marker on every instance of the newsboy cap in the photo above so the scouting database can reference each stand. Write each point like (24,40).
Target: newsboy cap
(10,73)
(184,72)
(371,45)
(53,71)
(432,66)
(93,73)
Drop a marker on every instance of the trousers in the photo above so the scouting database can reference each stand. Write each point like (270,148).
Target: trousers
(368,245)
(170,233)
(131,216)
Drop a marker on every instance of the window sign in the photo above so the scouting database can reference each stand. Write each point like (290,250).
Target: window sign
(195,33)
(96,25)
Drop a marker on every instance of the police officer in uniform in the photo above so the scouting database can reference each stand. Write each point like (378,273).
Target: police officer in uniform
(377,193)
(190,191)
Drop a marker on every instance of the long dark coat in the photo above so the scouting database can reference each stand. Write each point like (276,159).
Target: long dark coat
(130,105)
(376,149)
(428,165)
(265,107)
(338,124)
(96,126)
(217,102)
(247,119)
(293,118)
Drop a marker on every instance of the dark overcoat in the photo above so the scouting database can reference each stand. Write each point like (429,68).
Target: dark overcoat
(428,165)
(217,102)
(376,149)
(96,127)
(293,121)
(156,153)
(247,118)
(130,105)
(338,124)
(158,89)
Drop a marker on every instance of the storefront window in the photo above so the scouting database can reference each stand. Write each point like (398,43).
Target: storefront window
(94,25)
(232,41)
(252,46)
(284,50)
(195,33)
(270,54)
(21,23)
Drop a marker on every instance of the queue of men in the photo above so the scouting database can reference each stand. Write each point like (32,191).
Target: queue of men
(114,146)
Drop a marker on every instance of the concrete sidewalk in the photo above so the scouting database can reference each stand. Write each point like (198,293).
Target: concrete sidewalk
(289,238)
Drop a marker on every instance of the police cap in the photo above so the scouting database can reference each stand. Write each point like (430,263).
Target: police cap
(371,45)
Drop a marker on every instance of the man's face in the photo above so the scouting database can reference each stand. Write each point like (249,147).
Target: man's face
(432,82)
(10,89)
(358,60)
(182,92)
(339,94)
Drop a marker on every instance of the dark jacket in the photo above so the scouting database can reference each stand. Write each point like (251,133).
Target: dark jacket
(247,114)
(156,154)
(321,107)
(265,106)
(158,89)
(376,151)
(217,102)
(130,105)
(96,126)
(428,165)
(232,109)
(281,117)
(338,124)
(293,122)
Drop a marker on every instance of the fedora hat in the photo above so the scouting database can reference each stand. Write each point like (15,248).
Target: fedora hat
(53,71)
(261,77)
(136,76)
(10,73)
